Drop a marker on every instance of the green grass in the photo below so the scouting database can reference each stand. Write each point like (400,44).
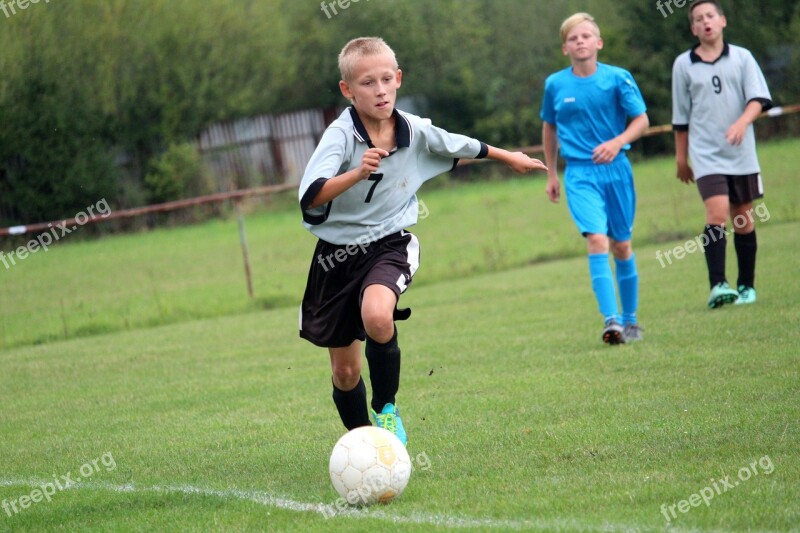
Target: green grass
(528,422)
(167,276)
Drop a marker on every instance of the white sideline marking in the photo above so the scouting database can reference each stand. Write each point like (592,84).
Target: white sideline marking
(329,510)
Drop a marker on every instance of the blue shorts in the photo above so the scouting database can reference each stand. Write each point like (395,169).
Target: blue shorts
(602,198)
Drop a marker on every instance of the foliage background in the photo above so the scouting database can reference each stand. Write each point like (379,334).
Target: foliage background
(89,84)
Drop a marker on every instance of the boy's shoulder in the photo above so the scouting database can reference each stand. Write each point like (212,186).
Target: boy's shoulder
(559,75)
(684,57)
(344,121)
(614,70)
(738,50)
(604,70)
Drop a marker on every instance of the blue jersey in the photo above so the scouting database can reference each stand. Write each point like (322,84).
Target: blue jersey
(387,201)
(590,111)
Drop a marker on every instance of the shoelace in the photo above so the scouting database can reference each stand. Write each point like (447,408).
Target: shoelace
(387,422)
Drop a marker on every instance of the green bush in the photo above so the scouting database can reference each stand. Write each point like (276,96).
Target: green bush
(177,173)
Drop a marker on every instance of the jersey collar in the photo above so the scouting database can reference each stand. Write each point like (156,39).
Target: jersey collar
(697,59)
(402,129)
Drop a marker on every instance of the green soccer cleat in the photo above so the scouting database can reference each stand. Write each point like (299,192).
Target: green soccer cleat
(722,294)
(613,333)
(747,295)
(389,419)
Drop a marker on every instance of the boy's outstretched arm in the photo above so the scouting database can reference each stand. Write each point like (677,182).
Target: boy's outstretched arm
(550,142)
(516,160)
(339,184)
(606,152)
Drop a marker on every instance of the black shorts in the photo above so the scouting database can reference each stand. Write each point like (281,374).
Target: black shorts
(739,189)
(330,315)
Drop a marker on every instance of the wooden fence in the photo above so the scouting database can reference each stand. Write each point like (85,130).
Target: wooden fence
(263,150)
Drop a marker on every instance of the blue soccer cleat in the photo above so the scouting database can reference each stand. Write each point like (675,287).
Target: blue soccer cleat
(747,295)
(389,419)
(722,294)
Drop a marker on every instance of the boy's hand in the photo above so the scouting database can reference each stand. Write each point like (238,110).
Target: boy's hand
(553,189)
(371,161)
(685,173)
(606,152)
(522,163)
(735,134)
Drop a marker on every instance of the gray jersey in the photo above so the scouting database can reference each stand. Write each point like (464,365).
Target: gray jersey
(386,202)
(707,98)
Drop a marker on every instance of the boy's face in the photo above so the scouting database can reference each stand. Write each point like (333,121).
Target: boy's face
(373,87)
(707,23)
(582,43)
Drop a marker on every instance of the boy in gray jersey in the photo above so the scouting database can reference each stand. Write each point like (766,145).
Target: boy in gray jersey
(358,194)
(718,90)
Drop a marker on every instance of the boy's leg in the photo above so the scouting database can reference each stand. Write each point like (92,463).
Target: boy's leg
(715,241)
(627,279)
(714,190)
(349,391)
(620,198)
(746,244)
(389,277)
(383,353)
(603,286)
(743,191)
(602,279)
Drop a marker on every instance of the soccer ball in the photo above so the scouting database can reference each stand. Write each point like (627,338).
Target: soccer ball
(369,465)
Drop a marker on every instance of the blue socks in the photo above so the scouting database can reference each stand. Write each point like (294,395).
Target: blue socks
(628,282)
(605,292)
(603,285)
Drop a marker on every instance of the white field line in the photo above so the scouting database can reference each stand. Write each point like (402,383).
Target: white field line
(329,510)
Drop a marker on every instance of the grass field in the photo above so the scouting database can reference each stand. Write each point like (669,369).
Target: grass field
(138,363)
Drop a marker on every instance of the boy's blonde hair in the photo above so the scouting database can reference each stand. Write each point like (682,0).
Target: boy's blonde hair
(574,20)
(359,48)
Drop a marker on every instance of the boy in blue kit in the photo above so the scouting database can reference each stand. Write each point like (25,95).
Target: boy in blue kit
(358,194)
(585,109)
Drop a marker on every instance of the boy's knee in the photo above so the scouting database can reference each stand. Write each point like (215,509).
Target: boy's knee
(597,243)
(345,377)
(622,250)
(379,326)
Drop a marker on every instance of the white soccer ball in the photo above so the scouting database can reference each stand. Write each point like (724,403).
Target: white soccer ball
(369,465)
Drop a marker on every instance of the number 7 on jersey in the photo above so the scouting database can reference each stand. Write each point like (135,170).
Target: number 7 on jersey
(377,179)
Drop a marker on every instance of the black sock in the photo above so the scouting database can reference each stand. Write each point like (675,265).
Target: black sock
(714,248)
(746,247)
(384,371)
(352,405)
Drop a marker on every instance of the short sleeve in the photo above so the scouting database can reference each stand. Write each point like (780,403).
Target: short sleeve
(755,86)
(326,162)
(629,94)
(548,111)
(681,97)
(446,144)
